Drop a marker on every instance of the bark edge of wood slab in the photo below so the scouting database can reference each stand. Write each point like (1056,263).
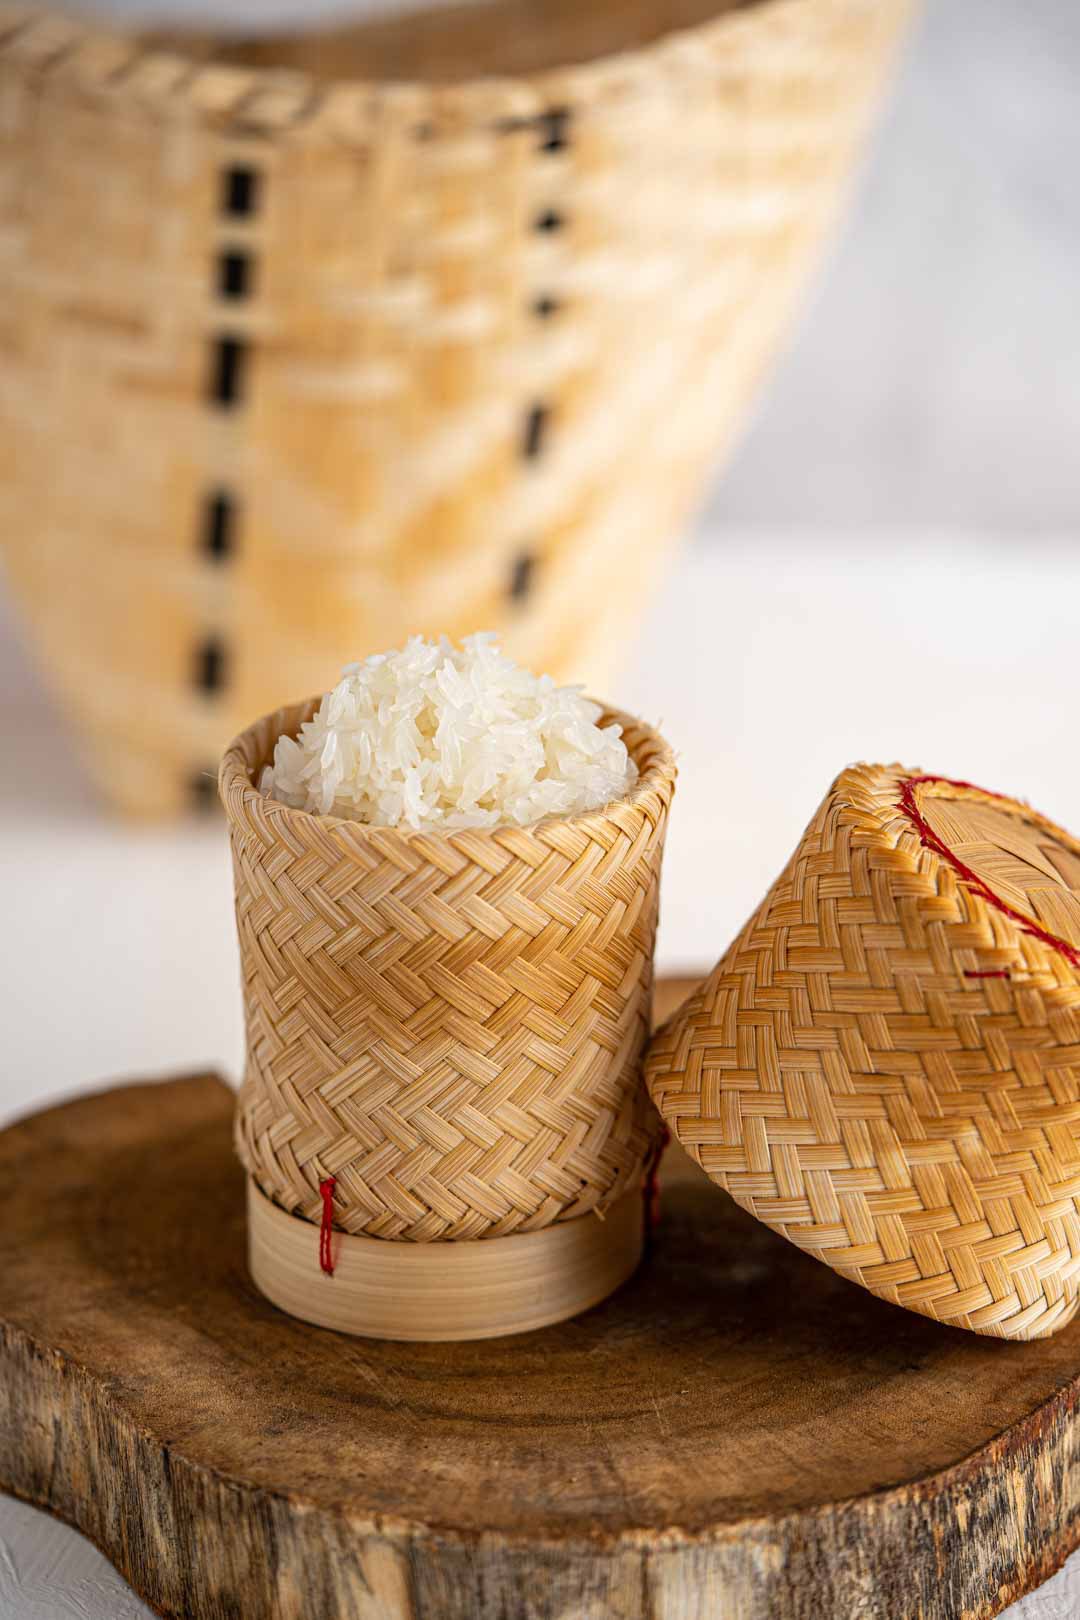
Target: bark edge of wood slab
(737,1434)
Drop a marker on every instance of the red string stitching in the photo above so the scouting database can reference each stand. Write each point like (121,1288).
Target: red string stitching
(650,1186)
(326,1229)
(930,839)
(987,973)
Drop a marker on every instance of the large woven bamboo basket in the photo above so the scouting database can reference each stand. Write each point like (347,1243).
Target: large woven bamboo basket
(885,1065)
(312,343)
(445,1036)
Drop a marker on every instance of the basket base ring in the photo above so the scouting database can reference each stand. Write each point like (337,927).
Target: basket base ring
(479,1289)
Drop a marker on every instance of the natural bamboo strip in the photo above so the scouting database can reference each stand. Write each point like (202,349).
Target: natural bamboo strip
(451,1025)
(443,1291)
(885,1065)
(425,267)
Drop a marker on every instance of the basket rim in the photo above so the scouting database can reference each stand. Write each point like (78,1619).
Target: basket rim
(237,789)
(882,802)
(260,101)
(851,788)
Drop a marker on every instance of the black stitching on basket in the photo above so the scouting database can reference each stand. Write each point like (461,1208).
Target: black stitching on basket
(226,382)
(522,576)
(536,423)
(234,274)
(545,307)
(240,191)
(554,135)
(210,665)
(219,525)
(202,789)
(549,220)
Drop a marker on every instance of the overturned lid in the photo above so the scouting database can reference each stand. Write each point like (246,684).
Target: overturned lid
(884,1065)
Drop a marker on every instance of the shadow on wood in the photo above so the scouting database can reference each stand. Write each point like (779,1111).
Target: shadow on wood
(737,1434)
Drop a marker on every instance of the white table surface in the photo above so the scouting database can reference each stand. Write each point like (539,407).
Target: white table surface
(769,662)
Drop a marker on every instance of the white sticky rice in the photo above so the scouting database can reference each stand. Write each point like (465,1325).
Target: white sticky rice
(436,735)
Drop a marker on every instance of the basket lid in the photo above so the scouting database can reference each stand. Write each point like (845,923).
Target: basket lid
(884,1066)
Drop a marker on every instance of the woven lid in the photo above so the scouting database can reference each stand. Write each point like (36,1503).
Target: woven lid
(884,1066)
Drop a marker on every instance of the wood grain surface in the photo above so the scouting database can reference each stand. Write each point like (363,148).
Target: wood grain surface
(737,1434)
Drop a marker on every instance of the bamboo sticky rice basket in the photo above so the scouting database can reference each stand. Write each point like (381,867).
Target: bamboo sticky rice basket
(312,343)
(885,1065)
(447,1030)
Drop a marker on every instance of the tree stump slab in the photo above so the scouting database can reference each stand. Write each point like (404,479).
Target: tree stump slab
(737,1434)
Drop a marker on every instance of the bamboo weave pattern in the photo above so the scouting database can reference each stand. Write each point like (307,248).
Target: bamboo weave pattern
(885,1065)
(450,1025)
(340,353)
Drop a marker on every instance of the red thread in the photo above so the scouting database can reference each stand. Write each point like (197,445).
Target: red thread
(326,1230)
(986,973)
(650,1187)
(931,840)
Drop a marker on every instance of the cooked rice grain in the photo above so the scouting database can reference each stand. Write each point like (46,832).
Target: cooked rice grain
(436,735)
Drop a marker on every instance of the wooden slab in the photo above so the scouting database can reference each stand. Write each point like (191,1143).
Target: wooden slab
(738,1434)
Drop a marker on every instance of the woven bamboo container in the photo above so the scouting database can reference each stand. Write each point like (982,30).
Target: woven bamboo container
(451,1026)
(312,343)
(885,1065)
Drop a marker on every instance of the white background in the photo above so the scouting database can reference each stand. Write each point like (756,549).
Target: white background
(889,570)
(770,662)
